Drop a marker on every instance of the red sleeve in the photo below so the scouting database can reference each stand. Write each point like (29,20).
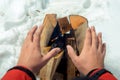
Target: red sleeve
(19,73)
(105,76)
(16,75)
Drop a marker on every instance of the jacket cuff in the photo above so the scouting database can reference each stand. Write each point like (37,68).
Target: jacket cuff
(27,71)
(96,73)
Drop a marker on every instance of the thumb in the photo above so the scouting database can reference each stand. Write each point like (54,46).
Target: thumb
(52,53)
(71,53)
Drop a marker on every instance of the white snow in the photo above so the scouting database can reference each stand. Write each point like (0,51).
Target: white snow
(18,16)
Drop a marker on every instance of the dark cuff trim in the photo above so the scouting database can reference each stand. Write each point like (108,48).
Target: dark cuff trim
(88,75)
(28,72)
(98,74)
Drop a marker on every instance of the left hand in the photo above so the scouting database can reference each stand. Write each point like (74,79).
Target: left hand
(31,56)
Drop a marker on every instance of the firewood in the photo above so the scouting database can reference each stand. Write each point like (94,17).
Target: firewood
(47,72)
(78,26)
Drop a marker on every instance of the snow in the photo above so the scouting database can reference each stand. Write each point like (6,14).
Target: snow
(18,16)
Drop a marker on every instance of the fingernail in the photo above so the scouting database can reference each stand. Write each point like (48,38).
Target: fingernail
(68,46)
(105,44)
(100,35)
(93,28)
(41,25)
(34,27)
(88,29)
(58,50)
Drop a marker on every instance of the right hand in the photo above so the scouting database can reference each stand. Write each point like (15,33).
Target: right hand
(92,54)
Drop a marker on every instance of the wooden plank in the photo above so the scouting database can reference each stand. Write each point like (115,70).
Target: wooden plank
(48,24)
(47,72)
(79,24)
(64,24)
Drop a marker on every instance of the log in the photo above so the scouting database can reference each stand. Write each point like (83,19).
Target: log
(47,72)
(48,24)
(79,25)
(64,24)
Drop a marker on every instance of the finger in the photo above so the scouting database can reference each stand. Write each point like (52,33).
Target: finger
(71,53)
(104,49)
(88,37)
(41,29)
(100,42)
(94,37)
(37,35)
(30,34)
(52,53)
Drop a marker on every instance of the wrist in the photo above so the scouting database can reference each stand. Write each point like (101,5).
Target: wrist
(87,70)
(26,67)
(93,71)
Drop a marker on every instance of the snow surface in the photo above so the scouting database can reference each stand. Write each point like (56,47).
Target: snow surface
(18,16)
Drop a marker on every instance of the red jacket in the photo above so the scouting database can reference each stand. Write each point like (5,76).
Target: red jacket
(21,73)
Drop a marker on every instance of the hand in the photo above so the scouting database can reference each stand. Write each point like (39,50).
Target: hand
(92,54)
(31,56)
